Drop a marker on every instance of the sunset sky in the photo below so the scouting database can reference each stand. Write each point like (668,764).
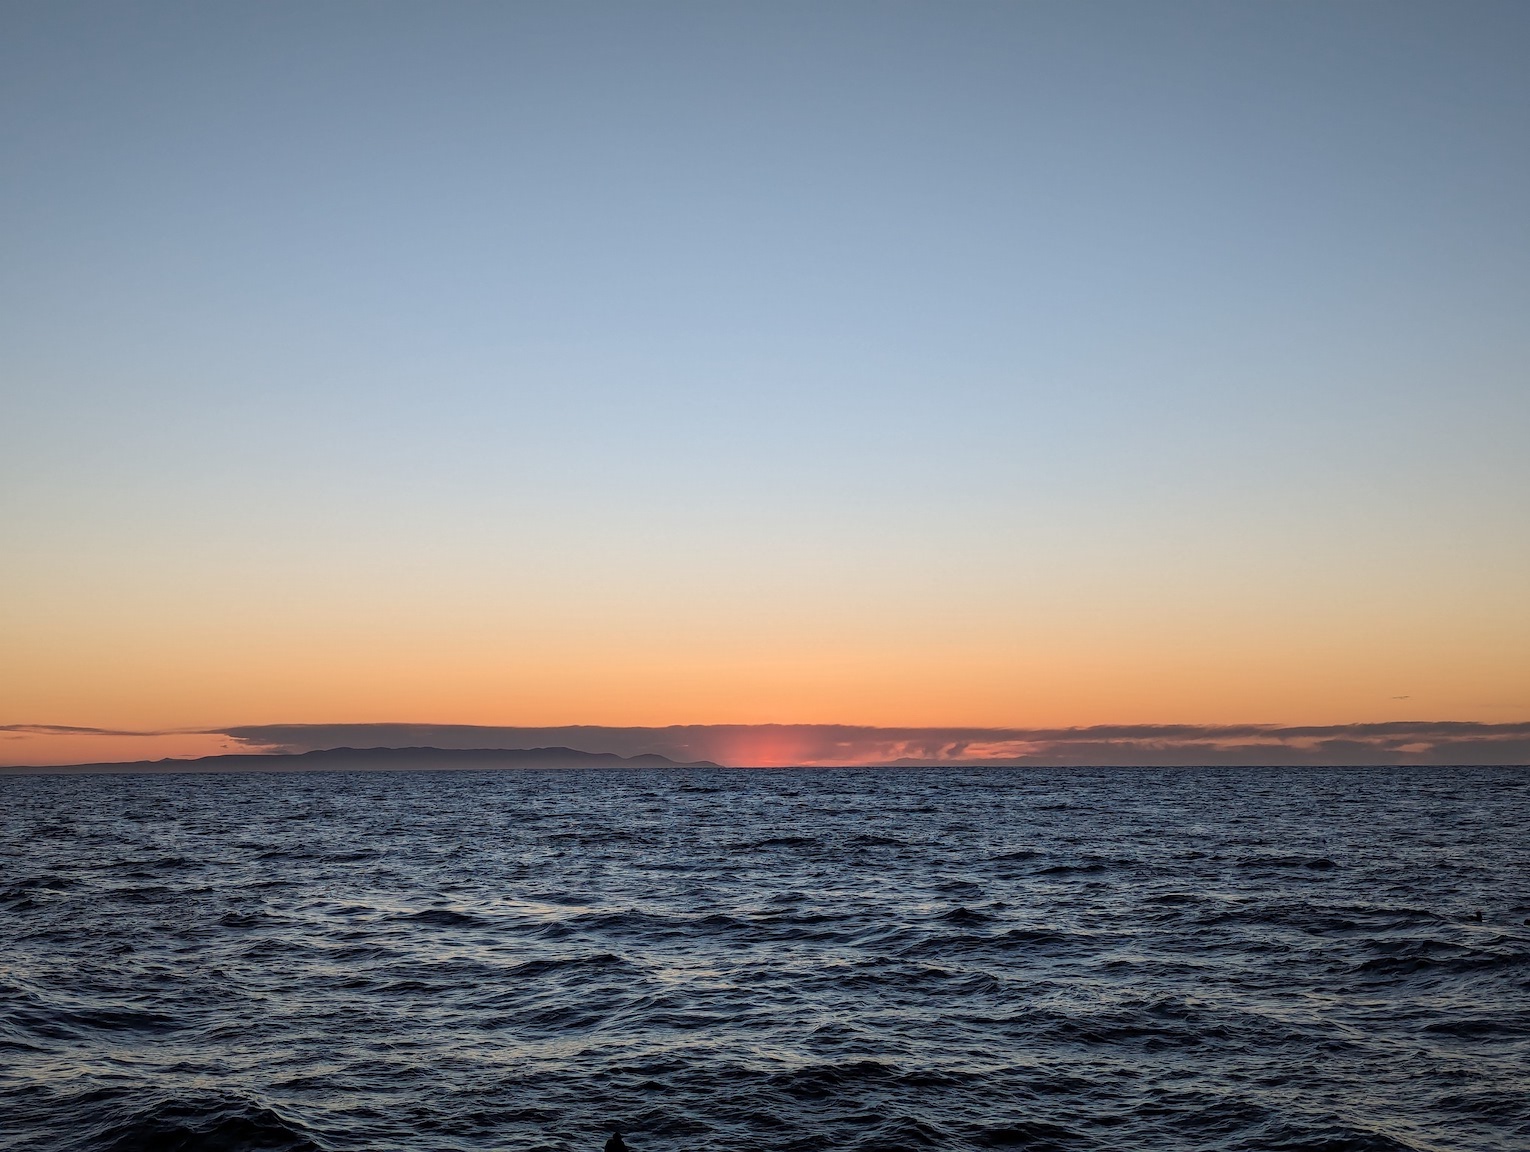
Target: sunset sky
(1015,365)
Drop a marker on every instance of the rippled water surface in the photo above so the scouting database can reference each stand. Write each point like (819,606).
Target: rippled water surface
(1038,959)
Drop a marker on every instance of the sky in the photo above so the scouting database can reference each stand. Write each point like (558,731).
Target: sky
(957,366)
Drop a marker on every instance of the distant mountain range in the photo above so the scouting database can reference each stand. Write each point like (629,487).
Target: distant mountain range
(381,760)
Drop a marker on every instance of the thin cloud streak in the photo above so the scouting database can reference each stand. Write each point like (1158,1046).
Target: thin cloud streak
(39,745)
(77,730)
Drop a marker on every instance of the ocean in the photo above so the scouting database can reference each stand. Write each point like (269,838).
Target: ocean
(874,959)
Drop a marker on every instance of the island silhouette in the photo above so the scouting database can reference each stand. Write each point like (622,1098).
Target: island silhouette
(379,760)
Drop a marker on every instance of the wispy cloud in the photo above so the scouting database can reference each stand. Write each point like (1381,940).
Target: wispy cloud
(75,730)
(60,744)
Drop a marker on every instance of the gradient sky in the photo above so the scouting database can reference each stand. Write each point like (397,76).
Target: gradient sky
(899,364)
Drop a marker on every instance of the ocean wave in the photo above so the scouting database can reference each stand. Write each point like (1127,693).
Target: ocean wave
(212,1123)
(765,962)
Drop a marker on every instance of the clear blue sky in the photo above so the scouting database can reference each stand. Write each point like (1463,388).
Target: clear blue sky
(899,336)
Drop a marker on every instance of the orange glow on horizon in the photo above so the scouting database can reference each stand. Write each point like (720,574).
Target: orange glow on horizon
(144,652)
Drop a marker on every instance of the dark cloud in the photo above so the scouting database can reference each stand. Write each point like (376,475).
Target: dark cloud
(1392,742)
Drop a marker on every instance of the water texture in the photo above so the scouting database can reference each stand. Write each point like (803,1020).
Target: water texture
(927,959)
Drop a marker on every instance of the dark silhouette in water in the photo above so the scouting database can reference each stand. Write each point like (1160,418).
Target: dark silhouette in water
(616,1143)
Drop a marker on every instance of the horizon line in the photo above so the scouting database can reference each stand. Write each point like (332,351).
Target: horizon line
(1403,742)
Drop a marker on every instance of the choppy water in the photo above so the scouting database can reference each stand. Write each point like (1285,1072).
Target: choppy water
(1039,959)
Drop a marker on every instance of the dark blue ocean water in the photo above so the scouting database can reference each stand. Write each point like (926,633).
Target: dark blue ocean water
(1033,959)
